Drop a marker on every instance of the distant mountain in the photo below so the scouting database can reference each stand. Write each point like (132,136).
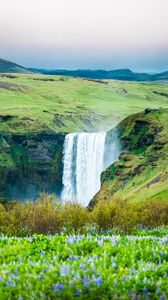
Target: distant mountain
(10,67)
(161,76)
(119,74)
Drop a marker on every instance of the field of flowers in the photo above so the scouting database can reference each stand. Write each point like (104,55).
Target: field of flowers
(90,266)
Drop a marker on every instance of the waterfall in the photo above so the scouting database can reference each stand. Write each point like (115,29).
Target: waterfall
(83,164)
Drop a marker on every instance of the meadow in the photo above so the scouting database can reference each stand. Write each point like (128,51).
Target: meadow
(91,266)
(50,250)
(36,102)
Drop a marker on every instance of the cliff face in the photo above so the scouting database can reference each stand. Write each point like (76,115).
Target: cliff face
(141,171)
(29,164)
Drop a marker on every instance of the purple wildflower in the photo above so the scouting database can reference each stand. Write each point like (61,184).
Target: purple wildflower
(145,291)
(85,282)
(77,293)
(162,298)
(99,281)
(157,292)
(58,287)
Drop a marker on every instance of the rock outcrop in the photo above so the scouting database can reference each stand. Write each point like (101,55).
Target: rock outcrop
(29,164)
(141,171)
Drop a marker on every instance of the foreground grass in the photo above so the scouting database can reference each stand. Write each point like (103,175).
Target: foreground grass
(87,266)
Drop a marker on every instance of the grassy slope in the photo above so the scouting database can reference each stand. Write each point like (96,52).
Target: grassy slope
(72,104)
(142,172)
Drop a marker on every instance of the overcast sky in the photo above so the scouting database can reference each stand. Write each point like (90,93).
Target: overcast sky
(85,33)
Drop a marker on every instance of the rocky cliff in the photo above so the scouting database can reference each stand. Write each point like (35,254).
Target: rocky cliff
(30,163)
(141,171)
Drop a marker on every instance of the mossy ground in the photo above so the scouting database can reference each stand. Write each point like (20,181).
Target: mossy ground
(142,171)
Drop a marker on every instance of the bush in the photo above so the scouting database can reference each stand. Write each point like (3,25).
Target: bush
(49,216)
(45,215)
(157,213)
(75,216)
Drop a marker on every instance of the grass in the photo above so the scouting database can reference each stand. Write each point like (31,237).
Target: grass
(72,104)
(142,172)
(91,266)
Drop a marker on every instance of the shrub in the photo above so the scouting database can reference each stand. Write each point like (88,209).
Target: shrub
(157,213)
(45,215)
(49,216)
(75,216)
(102,216)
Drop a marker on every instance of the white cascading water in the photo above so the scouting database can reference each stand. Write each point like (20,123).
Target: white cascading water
(83,164)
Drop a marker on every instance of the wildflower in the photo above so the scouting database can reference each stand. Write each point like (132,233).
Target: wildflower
(16,272)
(10,283)
(72,283)
(42,253)
(58,287)
(157,292)
(121,269)
(145,291)
(85,282)
(100,242)
(72,239)
(99,281)
(77,293)
(162,298)
(64,271)
(41,277)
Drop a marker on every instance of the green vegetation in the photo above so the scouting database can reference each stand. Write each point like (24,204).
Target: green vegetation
(142,170)
(87,254)
(36,113)
(47,216)
(63,104)
(85,266)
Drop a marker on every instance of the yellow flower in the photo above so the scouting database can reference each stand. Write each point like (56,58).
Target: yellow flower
(122,269)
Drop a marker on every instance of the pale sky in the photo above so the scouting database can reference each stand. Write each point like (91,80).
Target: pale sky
(85,33)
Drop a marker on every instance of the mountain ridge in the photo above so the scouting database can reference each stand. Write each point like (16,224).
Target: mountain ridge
(7,66)
(100,74)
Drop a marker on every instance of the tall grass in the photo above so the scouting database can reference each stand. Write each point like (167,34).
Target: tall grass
(49,216)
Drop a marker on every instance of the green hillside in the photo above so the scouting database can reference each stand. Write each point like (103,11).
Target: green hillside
(36,113)
(142,170)
(45,103)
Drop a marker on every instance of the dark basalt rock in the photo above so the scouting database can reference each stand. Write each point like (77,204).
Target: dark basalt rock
(36,165)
